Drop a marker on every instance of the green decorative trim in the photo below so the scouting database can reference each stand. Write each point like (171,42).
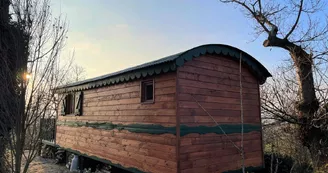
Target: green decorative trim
(136,128)
(118,77)
(169,64)
(159,129)
(131,169)
(258,70)
(227,128)
(250,169)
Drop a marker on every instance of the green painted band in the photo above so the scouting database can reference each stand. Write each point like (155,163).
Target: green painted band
(159,129)
(219,129)
(136,128)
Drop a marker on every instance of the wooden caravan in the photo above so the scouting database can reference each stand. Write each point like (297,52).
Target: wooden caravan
(156,117)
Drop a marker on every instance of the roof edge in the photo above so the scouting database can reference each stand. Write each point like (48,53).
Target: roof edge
(221,49)
(168,64)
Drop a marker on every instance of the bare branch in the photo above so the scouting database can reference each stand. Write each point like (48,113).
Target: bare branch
(297,19)
(251,11)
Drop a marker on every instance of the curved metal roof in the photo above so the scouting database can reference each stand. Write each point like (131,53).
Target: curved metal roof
(167,64)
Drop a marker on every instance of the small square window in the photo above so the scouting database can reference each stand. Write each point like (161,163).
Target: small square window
(72,104)
(147,91)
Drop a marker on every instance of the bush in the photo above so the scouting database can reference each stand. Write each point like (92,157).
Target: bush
(286,164)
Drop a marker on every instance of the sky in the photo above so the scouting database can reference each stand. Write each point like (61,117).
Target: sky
(110,35)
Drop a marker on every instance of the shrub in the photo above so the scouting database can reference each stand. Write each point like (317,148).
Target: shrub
(286,164)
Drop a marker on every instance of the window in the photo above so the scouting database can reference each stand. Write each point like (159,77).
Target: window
(72,104)
(147,91)
(69,104)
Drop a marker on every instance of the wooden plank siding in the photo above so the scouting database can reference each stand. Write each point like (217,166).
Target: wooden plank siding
(214,83)
(212,80)
(120,104)
(149,153)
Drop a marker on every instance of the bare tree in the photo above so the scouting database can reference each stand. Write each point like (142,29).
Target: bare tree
(278,97)
(37,39)
(12,58)
(301,28)
(78,73)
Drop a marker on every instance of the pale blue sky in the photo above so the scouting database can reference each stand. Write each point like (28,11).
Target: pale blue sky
(110,35)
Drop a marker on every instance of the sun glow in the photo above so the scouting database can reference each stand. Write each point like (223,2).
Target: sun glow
(27,76)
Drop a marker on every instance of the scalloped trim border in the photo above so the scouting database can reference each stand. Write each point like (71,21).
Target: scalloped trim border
(170,65)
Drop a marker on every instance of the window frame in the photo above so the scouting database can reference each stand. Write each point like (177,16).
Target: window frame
(70,107)
(143,92)
(72,104)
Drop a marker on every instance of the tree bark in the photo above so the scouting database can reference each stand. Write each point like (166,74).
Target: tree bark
(4,21)
(303,63)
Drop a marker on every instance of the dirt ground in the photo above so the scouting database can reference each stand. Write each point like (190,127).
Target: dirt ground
(42,165)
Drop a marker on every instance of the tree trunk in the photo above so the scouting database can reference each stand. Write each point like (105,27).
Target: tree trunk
(312,138)
(308,105)
(4,133)
(303,62)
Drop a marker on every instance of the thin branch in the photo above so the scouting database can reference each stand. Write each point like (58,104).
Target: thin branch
(296,21)
(253,13)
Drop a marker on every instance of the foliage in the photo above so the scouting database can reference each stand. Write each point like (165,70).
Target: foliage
(284,164)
